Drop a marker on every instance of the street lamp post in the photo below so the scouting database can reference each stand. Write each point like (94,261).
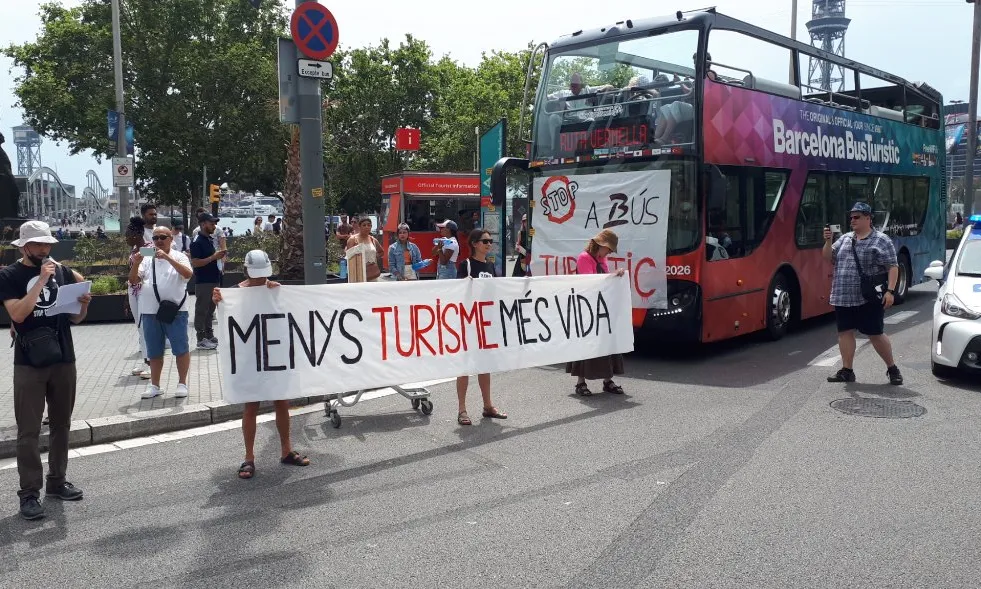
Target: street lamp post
(117,56)
(793,35)
(972,113)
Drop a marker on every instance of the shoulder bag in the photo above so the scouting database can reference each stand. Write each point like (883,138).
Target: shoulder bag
(167,311)
(874,285)
(41,345)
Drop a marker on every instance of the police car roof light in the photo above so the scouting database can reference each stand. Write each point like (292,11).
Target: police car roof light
(974,219)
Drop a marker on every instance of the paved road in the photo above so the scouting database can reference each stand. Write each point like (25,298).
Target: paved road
(726,468)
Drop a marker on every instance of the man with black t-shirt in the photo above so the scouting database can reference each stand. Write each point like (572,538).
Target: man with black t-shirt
(44,364)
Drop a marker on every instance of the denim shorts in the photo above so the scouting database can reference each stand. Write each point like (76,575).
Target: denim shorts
(447,271)
(154,333)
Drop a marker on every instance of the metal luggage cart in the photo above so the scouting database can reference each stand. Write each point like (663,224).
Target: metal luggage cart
(419,397)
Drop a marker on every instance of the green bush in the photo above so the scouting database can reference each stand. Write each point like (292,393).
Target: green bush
(955,233)
(103,285)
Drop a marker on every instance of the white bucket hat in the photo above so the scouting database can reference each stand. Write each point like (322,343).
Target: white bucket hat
(258,264)
(34,232)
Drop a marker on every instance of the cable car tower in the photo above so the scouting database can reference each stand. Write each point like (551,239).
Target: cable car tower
(827,28)
(28,143)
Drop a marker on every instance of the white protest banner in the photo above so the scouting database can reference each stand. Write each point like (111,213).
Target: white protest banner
(297,341)
(571,209)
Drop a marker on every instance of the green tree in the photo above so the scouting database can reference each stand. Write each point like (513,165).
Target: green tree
(198,85)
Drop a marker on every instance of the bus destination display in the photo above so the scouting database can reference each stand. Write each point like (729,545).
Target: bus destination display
(619,134)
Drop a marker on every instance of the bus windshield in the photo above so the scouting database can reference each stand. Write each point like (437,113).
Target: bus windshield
(618,96)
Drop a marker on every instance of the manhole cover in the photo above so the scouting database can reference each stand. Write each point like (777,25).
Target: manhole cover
(887,408)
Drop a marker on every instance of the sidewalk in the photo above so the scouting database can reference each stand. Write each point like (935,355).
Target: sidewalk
(108,406)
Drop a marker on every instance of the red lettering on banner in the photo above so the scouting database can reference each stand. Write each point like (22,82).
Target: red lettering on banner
(472,317)
(643,293)
(398,335)
(482,334)
(384,328)
(422,331)
(446,324)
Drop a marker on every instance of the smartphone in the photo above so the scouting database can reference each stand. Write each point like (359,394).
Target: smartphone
(835,229)
(147,252)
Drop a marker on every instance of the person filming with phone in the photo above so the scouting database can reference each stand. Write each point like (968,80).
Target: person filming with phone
(862,288)
(163,273)
(207,277)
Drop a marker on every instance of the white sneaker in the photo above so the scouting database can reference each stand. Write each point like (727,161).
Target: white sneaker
(207,344)
(181,391)
(145,375)
(151,392)
(139,370)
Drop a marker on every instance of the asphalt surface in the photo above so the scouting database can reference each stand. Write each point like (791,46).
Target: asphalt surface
(723,467)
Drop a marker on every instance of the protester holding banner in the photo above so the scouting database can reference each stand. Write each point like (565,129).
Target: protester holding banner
(258,268)
(593,261)
(369,247)
(477,266)
(403,255)
(163,308)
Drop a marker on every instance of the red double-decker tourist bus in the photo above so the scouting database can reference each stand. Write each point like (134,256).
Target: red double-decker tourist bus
(719,151)
(422,199)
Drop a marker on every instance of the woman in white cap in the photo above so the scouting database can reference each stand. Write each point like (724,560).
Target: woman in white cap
(258,268)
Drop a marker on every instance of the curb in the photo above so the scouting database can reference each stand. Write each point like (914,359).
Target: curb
(103,430)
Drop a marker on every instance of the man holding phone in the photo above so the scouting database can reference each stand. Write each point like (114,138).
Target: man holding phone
(862,251)
(207,277)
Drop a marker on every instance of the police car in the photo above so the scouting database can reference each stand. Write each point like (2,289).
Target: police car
(957,311)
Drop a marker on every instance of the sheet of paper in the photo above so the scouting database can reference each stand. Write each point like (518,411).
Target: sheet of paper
(68,298)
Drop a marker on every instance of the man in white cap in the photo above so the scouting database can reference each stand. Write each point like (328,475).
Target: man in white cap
(258,268)
(44,364)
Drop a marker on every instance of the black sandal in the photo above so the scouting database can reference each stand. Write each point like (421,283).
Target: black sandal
(611,387)
(247,470)
(493,413)
(295,459)
(583,389)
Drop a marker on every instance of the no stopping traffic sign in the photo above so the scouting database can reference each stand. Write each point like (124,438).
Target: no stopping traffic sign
(314,30)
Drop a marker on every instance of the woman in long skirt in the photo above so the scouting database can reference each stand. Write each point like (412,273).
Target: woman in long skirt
(593,261)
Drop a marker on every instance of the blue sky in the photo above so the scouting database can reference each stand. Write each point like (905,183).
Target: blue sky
(927,40)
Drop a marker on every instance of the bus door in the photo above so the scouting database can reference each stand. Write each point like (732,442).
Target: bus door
(741,203)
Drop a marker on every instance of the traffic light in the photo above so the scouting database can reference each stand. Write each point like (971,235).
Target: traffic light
(215,192)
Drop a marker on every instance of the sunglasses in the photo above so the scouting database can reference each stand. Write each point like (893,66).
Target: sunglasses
(161,237)
(854,217)
(486,241)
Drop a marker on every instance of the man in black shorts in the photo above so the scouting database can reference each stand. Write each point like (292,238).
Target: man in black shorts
(866,251)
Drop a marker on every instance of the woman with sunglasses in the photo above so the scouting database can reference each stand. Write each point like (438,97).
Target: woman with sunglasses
(403,255)
(593,261)
(477,266)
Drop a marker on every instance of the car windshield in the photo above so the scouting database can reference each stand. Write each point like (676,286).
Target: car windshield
(970,258)
(618,96)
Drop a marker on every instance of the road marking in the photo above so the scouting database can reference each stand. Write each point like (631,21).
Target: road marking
(831,357)
(899,317)
(9,463)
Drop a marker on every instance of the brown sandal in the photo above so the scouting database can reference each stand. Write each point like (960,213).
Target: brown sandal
(583,389)
(463,418)
(493,413)
(247,470)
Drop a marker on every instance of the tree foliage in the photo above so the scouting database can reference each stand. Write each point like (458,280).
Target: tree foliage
(197,79)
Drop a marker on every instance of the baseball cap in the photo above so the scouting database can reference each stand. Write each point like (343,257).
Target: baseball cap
(34,232)
(861,207)
(451,225)
(207,217)
(257,264)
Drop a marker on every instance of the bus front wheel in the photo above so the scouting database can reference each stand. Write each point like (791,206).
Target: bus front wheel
(905,273)
(779,307)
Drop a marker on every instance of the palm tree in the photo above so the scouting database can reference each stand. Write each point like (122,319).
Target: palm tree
(291,248)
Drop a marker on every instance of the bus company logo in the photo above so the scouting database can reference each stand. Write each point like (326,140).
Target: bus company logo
(559,198)
(602,112)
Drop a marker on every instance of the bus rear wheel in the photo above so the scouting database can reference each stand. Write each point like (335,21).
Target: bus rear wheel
(779,307)
(902,283)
